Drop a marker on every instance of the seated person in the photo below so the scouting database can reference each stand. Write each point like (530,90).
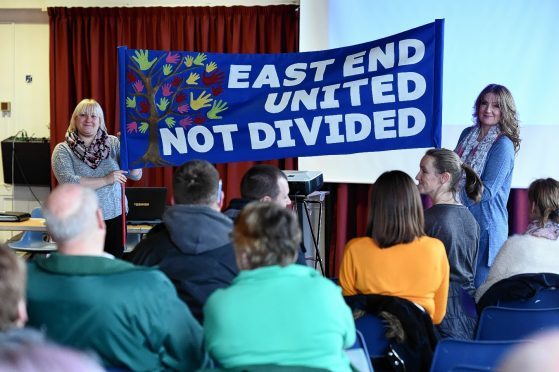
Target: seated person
(439,177)
(34,354)
(193,245)
(265,183)
(537,250)
(129,315)
(276,313)
(397,258)
(13,313)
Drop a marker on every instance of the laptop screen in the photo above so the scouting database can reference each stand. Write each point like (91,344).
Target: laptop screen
(145,204)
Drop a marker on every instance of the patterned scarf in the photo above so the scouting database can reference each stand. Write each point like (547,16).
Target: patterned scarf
(474,152)
(549,231)
(93,154)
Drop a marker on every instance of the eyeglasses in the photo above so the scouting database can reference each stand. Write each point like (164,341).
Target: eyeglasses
(85,116)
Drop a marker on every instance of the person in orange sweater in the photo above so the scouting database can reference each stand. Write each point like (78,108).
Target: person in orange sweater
(396,258)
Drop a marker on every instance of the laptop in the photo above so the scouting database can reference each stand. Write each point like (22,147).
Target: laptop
(145,205)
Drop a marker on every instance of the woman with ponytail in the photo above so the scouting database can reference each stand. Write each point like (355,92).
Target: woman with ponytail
(537,250)
(439,176)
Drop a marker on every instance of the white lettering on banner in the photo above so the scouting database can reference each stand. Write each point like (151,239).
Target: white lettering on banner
(334,122)
(411,86)
(351,133)
(353,127)
(411,51)
(285,134)
(208,139)
(236,73)
(384,120)
(404,94)
(226,130)
(404,130)
(267,76)
(295,74)
(406,46)
(386,58)
(405,122)
(329,101)
(380,85)
(309,135)
(199,138)
(354,93)
(257,128)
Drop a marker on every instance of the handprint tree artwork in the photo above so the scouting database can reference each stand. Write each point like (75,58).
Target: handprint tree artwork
(166,89)
(376,96)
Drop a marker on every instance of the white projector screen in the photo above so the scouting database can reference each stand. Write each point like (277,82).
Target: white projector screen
(508,42)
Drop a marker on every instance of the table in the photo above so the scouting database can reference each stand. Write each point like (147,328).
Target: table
(37,245)
(38,224)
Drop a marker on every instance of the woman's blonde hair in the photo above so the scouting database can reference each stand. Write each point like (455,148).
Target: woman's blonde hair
(87,106)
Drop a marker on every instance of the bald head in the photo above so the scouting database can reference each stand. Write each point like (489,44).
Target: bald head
(72,214)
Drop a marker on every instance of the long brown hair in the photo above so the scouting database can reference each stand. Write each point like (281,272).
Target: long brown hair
(544,193)
(509,116)
(396,212)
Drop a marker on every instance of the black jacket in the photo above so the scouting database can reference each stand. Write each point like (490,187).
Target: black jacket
(421,337)
(193,248)
(517,287)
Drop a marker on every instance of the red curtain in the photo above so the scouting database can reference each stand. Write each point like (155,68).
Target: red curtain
(83,57)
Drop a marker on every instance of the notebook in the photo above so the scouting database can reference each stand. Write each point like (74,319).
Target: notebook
(14,216)
(145,205)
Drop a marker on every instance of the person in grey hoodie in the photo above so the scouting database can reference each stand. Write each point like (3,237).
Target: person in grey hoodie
(192,245)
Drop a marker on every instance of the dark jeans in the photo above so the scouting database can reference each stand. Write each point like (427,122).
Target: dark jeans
(113,240)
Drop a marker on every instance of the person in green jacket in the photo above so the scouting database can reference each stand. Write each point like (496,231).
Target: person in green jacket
(276,312)
(82,297)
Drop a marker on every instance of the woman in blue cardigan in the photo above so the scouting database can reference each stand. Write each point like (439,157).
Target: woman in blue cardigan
(489,148)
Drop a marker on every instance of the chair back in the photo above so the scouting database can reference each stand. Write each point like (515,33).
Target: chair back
(33,241)
(359,355)
(543,299)
(450,355)
(373,330)
(501,323)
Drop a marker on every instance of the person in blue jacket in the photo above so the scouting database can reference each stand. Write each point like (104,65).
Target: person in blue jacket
(489,148)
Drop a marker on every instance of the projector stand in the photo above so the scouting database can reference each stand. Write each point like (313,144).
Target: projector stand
(306,202)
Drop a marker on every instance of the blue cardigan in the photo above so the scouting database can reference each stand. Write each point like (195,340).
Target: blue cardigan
(491,212)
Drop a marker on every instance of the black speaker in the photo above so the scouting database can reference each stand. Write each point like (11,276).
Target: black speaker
(31,159)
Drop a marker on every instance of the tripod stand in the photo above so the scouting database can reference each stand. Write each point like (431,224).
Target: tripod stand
(302,206)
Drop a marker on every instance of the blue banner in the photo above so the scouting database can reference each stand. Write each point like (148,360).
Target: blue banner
(377,96)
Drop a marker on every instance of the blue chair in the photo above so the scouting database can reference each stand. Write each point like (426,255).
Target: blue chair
(33,241)
(358,354)
(468,368)
(501,323)
(450,355)
(372,328)
(543,299)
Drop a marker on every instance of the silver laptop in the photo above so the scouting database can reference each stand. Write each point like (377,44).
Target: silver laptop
(145,205)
